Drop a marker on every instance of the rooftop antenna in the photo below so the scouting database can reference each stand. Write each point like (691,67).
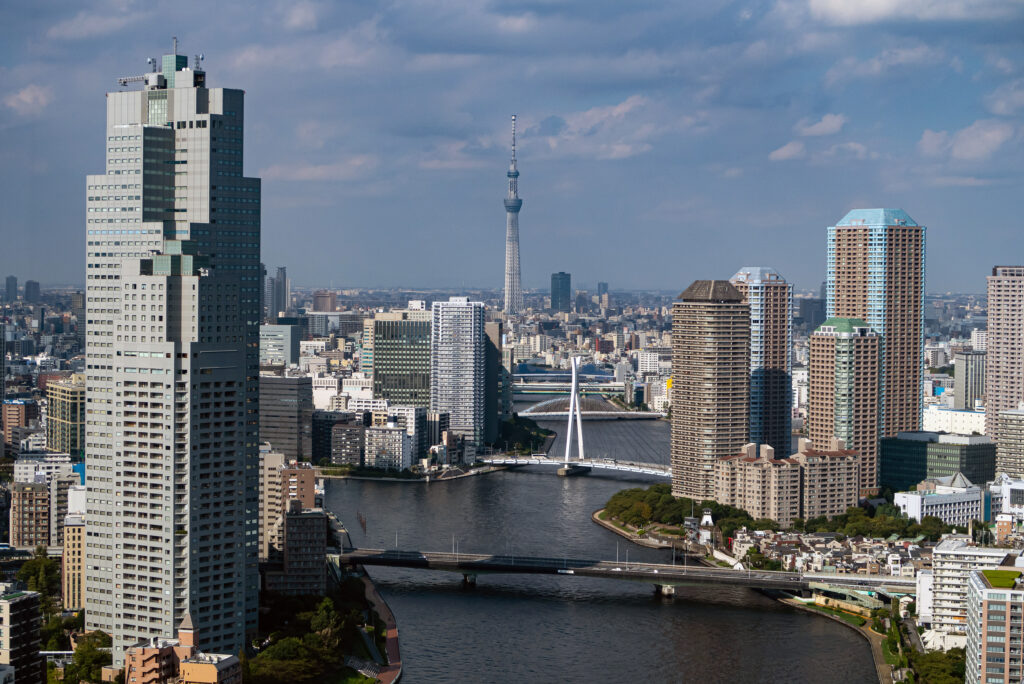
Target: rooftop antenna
(513,137)
(199,58)
(151,61)
(174,45)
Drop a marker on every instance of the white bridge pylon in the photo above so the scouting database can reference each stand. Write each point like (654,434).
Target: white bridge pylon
(574,408)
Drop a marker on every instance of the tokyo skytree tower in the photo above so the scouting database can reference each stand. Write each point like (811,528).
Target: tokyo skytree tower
(513,284)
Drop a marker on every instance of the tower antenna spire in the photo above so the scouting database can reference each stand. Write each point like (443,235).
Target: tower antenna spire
(513,137)
(174,45)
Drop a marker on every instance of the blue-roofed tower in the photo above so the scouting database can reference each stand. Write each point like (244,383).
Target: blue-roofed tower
(876,272)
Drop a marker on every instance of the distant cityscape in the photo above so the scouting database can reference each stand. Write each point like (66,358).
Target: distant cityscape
(175,428)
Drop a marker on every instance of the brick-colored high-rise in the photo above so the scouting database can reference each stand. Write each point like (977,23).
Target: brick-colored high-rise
(710,383)
(844,391)
(1004,372)
(876,272)
(770,299)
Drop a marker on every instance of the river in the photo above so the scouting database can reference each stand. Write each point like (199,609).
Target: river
(519,628)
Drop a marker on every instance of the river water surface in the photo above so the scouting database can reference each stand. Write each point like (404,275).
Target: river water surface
(520,628)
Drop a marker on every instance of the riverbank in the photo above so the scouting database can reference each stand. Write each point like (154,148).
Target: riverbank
(471,473)
(875,641)
(392,672)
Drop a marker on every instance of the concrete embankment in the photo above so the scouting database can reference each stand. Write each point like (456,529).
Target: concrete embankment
(631,536)
(392,672)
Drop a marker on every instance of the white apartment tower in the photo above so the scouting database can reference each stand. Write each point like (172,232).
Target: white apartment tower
(458,368)
(172,344)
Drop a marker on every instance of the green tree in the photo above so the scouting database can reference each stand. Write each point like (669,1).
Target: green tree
(42,574)
(88,660)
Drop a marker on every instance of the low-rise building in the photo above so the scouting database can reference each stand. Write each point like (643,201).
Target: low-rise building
(959,422)
(762,485)
(830,478)
(178,661)
(953,500)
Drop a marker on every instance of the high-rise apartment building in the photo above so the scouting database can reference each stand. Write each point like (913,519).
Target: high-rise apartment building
(11,288)
(458,372)
(710,383)
(286,414)
(78,310)
(281,481)
(60,484)
(953,560)
(30,515)
(16,413)
(876,272)
(72,569)
(401,356)
(969,381)
(20,634)
(513,283)
(843,389)
(1004,372)
(770,299)
(1010,447)
(561,291)
(498,395)
(65,416)
(31,292)
(995,618)
(172,358)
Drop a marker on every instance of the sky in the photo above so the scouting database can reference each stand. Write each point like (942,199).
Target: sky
(659,142)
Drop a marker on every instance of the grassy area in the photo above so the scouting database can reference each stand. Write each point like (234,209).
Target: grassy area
(855,620)
(1001,579)
(349,676)
(890,657)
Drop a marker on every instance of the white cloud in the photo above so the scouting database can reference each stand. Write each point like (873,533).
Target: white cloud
(792,150)
(933,143)
(850,13)
(90,25)
(301,16)
(607,132)
(828,125)
(850,150)
(1007,99)
(517,24)
(350,169)
(981,139)
(30,100)
(884,63)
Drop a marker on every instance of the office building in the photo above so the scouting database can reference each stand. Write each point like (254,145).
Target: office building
(279,345)
(20,635)
(953,560)
(910,457)
(172,358)
(325,300)
(979,339)
(30,515)
(400,361)
(995,606)
(711,381)
(280,294)
(388,447)
(65,416)
(1004,371)
(302,568)
(770,299)
(498,394)
(513,284)
(602,288)
(1010,447)
(969,381)
(286,414)
(938,419)
(72,575)
(11,288)
(78,311)
(561,292)
(458,368)
(843,391)
(31,292)
(876,273)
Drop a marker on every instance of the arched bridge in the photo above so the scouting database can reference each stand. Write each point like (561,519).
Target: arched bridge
(582,465)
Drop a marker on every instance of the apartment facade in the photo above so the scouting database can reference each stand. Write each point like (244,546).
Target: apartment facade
(953,560)
(843,391)
(770,299)
(1004,371)
(711,382)
(1010,447)
(969,381)
(995,621)
(72,578)
(760,484)
(458,373)
(20,634)
(65,416)
(30,515)
(876,273)
(286,414)
(172,351)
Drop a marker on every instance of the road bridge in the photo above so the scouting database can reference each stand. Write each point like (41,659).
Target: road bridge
(579,466)
(470,565)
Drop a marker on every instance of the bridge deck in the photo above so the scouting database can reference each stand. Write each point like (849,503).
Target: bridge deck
(653,573)
(599,463)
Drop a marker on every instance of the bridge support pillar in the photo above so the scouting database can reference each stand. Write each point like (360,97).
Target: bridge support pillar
(664,590)
(468,580)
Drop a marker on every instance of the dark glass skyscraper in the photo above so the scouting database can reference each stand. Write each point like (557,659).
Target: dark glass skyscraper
(561,291)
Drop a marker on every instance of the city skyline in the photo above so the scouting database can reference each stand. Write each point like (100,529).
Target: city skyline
(632,137)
